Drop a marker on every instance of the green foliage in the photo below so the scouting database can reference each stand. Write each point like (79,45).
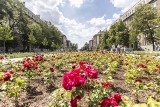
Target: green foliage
(144,22)
(157,33)
(45,42)
(74,46)
(104,39)
(32,39)
(85,47)
(60,97)
(117,34)
(36,30)
(5,32)
(22,26)
(53,45)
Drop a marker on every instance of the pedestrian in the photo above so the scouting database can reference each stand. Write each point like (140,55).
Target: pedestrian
(113,48)
(124,49)
(118,48)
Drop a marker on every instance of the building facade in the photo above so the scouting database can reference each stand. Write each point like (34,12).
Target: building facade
(30,14)
(127,17)
(68,44)
(95,41)
(91,45)
(64,42)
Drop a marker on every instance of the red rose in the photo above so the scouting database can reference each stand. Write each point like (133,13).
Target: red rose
(35,66)
(91,73)
(11,71)
(52,69)
(73,102)
(68,81)
(78,97)
(106,84)
(81,63)
(118,97)
(6,77)
(105,103)
(156,69)
(79,81)
(22,69)
(113,102)
(73,67)
(27,65)
(73,62)
(138,80)
(5,71)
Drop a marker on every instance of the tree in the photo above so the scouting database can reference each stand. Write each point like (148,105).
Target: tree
(144,22)
(5,34)
(85,47)
(157,27)
(45,42)
(74,46)
(133,38)
(53,45)
(117,34)
(22,26)
(32,40)
(36,30)
(104,38)
(3,8)
(121,33)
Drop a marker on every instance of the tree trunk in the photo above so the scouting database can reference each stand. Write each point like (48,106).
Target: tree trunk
(4,46)
(30,48)
(151,35)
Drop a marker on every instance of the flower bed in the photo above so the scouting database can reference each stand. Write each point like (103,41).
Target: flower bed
(85,79)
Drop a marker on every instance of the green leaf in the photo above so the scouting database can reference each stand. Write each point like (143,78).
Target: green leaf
(140,105)
(69,94)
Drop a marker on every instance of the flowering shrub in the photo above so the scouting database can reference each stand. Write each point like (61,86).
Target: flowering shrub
(1,57)
(112,101)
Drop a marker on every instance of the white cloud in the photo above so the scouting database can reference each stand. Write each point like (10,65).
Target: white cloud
(75,31)
(78,32)
(101,21)
(76,3)
(116,16)
(124,4)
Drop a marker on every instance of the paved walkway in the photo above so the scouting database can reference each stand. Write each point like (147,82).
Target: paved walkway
(13,60)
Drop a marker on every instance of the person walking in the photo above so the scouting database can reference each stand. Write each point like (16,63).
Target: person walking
(118,48)
(113,48)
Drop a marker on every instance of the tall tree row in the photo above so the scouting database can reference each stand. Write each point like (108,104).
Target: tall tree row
(117,34)
(24,30)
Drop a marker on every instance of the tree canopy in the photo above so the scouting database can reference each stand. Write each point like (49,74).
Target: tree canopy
(22,27)
(144,21)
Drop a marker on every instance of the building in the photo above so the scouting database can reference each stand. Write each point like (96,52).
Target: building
(30,14)
(96,40)
(127,17)
(35,18)
(68,44)
(64,42)
(91,45)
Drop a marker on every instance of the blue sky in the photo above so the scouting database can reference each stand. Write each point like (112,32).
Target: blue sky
(79,20)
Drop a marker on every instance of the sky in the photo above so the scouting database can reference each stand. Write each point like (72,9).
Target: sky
(80,20)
